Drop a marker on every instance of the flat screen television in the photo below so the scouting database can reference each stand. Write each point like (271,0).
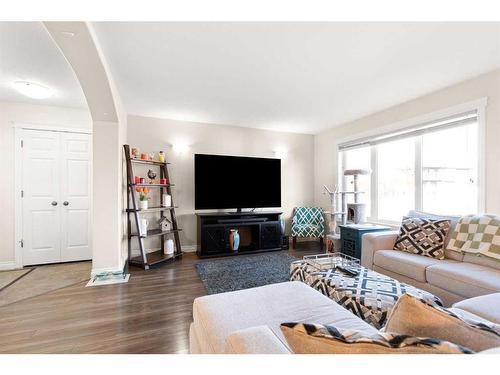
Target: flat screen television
(223,182)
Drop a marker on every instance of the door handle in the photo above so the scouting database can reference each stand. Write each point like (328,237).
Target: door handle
(66,203)
(54,203)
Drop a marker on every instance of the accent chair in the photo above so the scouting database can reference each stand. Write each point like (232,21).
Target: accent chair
(308,222)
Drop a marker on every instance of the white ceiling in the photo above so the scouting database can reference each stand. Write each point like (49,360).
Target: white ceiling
(27,53)
(301,77)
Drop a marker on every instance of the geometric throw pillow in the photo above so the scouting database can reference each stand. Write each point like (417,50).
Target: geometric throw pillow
(423,236)
(414,316)
(306,338)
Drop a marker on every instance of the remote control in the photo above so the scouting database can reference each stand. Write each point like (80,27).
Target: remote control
(347,271)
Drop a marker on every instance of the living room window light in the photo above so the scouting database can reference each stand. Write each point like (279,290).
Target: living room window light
(432,166)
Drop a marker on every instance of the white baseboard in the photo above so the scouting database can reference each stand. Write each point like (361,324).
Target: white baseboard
(188,248)
(6,266)
(185,249)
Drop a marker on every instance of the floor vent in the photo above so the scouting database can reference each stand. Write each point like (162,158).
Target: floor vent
(107,278)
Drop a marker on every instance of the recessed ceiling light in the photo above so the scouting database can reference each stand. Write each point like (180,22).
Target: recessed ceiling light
(33,90)
(68,34)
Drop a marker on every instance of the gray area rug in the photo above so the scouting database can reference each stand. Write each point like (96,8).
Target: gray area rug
(244,271)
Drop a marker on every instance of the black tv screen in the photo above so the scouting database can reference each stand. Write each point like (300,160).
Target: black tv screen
(236,182)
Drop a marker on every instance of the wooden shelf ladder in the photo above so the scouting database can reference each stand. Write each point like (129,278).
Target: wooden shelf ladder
(145,259)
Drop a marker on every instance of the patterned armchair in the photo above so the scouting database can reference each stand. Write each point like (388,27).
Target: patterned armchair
(308,222)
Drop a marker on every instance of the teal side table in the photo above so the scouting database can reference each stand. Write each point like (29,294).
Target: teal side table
(351,234)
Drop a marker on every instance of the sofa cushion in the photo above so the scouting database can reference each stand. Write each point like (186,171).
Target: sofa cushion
(307,230)
(219,315)
(406,264)
(466,279)
(487,307)
(482,260)
(308,338)
(416,317)
(422,236)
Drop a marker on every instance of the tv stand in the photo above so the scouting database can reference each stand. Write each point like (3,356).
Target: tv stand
(259,231)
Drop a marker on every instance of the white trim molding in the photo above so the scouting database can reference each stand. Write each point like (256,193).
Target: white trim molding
(188,248)
(7,266)
(478,104)
(18,211)
(54,128)
(18,183)
(481,147)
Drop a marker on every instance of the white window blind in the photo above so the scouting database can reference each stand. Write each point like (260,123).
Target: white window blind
(413,131)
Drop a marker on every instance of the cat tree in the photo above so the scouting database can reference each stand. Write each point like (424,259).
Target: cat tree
(354,212)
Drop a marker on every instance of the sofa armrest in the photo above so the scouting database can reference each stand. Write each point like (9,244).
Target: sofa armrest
(376,241)
(255,340)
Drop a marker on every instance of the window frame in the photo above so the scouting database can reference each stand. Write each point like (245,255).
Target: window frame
(476,105)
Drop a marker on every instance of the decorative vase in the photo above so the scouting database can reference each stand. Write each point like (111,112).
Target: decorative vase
(282,226)
(143,205)
(169,247)
(234,240)
(161,156)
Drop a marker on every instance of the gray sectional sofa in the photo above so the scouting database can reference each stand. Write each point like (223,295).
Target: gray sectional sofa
(248,321)
(457,277)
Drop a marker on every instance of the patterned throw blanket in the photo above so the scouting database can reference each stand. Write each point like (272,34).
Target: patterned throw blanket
(478,234)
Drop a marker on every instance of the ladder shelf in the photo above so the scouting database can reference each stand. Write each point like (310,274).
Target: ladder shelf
(152,209)
(155,232)
(149,259)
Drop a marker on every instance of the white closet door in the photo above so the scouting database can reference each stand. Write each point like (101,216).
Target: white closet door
(41,203)
(75,196)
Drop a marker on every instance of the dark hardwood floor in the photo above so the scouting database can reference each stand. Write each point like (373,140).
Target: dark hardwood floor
(149,314)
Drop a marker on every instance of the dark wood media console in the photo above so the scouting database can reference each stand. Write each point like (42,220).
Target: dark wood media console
(259,231)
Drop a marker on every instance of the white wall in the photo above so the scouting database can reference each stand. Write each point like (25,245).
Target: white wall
(310,163)
(11,113)
(85,56)
(487,85)
(150,134)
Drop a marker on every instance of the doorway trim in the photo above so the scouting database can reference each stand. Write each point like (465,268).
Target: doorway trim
(18,165)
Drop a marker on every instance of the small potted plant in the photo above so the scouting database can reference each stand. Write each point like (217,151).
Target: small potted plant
(143,197)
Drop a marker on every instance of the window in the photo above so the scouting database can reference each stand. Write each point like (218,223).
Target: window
(449,170)
(395,179)
(432,167)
